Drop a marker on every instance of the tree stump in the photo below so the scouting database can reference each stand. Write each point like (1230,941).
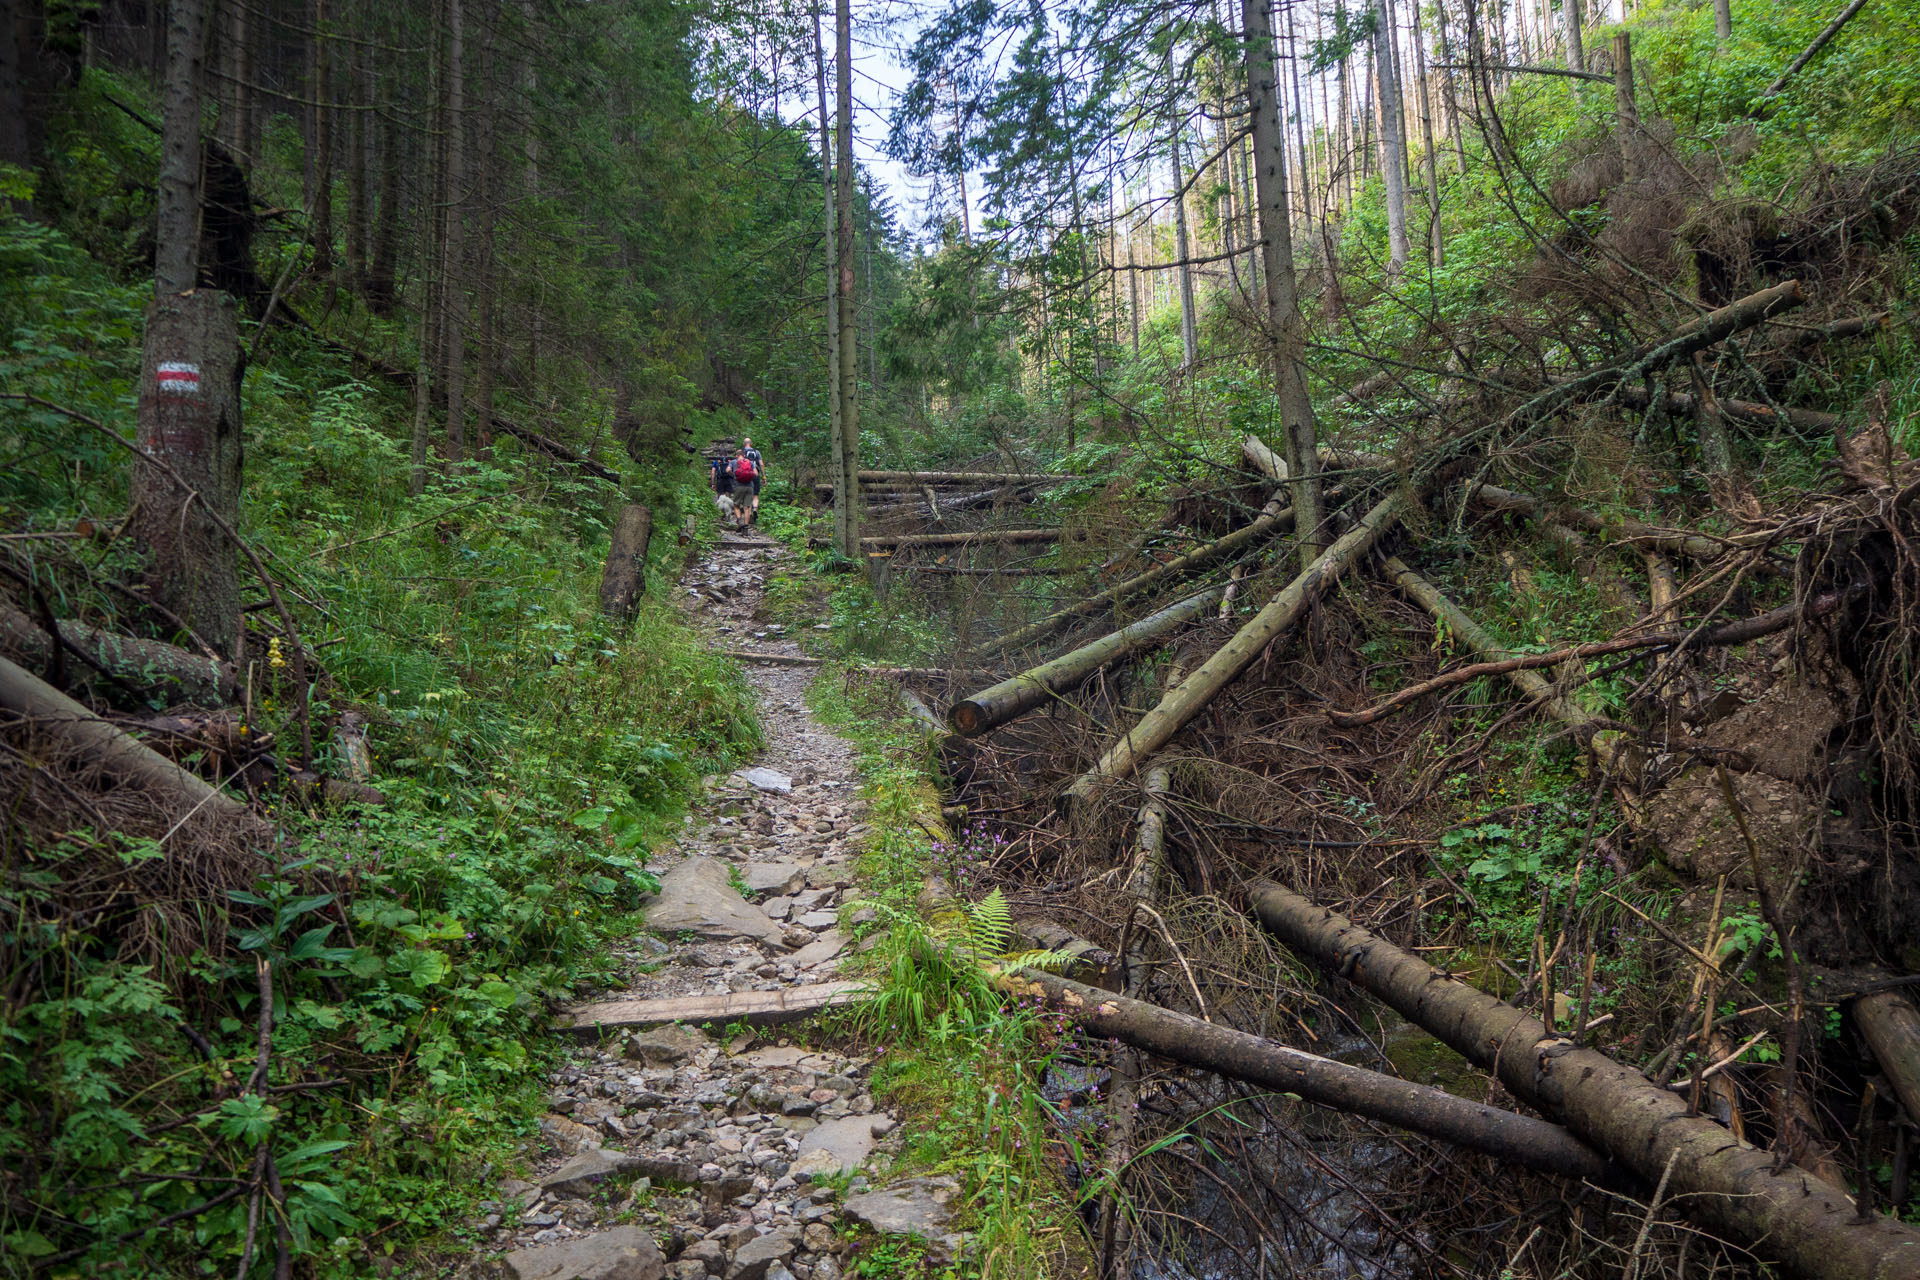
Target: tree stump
(625,580)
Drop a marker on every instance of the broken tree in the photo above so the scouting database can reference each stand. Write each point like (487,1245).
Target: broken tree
(1191,695)
(1013,697)
(1808,1226)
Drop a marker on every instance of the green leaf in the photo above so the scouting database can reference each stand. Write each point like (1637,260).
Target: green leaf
(500,995)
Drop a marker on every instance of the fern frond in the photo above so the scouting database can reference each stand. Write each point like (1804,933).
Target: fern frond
(1045,961)
(990,924)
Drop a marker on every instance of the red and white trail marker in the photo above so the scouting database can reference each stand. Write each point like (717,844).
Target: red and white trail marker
(173,378)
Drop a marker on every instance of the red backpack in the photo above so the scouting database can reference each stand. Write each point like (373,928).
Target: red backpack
(743,470)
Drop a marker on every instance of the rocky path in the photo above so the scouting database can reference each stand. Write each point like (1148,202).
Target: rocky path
(749,1154)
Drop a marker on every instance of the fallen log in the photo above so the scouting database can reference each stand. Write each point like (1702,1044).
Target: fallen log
(149,667)
(1015,696)
(1516,1139)
(918,478)
(1722,635)
(1628,533)
(554,449)
(1797,1220)
(1191,695)
(1462,625)
(624,580)
(1697,335)
(1271,521)
(1748,411)
(1891,1026)
(975,538)
(121,755)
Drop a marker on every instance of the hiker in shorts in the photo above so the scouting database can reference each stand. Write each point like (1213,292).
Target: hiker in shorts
(759,471)
(745,474)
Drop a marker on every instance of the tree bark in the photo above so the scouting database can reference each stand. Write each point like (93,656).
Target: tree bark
(1723,20)
(453,276)
(148,667)
(1891,1026)
(1269,522)
(1192,695)
(1285,336)
(356,87)
(119,754)
(1183,267)
(624,580)
(978,538)
(1797,1220)
(1014,697)
(16,139)
(843,268)
(1512,1138)
(1576,38)
(320,89)
(1393,161)
(190,418)
(844,496)
(177,234)
(1625,106)
(383,255)
(1436,240)
(1807,55)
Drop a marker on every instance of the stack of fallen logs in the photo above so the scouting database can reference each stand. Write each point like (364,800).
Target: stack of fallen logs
(918,493)
(1603,1121)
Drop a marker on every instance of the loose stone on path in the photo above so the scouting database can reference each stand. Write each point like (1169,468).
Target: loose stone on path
(666,1137)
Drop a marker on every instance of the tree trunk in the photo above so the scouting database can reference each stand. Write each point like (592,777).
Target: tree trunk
(320,89)
(16,141)
(1576,41)
(1183,266)
(1512,1138)
(1799,1221)
(1272,521)
(453,279)
(355,88)
(843,269)
(177,206)
(981,538)
(845,495)
(190,418)
(1285,336)
(147,667)
(236,58)
(118,754)
(990,708)
(914,479)
(1436,240)
(1723,20)
(1192,695)
(1624,105)
(625,579)
(1393,159)
(382,258)
(1891,1026)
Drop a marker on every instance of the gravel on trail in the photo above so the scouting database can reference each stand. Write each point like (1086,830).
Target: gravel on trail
(710,1147)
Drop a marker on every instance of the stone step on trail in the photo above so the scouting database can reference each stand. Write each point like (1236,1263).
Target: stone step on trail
(668,1154)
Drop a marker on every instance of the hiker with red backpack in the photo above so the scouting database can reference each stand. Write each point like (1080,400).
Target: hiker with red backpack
(744,471)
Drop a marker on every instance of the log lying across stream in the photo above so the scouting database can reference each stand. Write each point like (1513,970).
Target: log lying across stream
(1272,521)
(1516,1139)
(1807,1225)
(1191,695)
(1017,695)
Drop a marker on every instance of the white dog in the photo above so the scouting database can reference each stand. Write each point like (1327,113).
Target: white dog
(729,513)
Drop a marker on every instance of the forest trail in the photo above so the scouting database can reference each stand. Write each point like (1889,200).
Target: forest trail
(710,1142)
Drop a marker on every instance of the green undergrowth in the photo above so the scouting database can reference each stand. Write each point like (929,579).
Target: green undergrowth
(530,753)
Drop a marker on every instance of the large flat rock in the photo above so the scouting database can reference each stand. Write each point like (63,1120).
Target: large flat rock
(849,1141)
(624,1253)
(917,1206)
(698,897)
(774,877)
(829,944)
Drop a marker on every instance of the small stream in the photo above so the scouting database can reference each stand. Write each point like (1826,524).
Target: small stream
(1306,1192)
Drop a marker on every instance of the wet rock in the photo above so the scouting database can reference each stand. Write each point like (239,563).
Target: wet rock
(624,1253)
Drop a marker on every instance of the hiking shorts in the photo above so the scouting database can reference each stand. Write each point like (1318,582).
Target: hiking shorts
(756,485)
